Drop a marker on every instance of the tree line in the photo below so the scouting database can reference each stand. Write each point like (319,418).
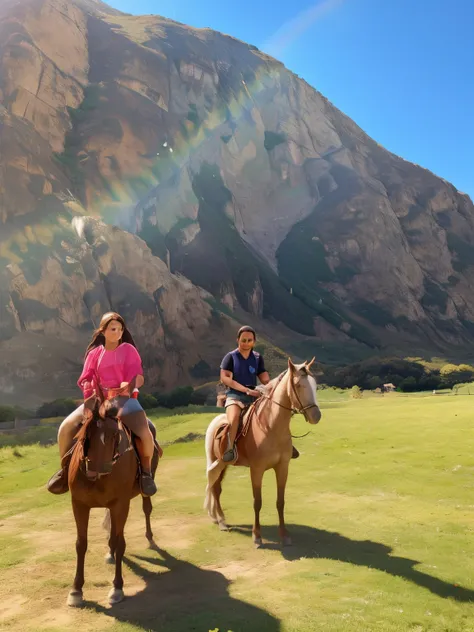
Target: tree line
(406,375)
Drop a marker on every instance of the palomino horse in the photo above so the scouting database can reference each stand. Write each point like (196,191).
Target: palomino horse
(103,473)
(265,444)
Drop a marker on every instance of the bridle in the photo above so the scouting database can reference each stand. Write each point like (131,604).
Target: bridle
(302,410)
(106,466)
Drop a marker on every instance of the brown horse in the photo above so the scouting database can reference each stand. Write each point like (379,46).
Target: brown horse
(265,442)
(103,472)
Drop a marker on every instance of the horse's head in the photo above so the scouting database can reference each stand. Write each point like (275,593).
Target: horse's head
(302,388)
(100,436)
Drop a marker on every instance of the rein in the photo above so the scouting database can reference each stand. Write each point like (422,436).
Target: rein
(106,467)
(294,411)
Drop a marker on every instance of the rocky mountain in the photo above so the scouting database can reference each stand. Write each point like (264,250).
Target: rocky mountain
(190,181)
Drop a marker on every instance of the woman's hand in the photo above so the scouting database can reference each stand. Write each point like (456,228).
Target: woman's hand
(254,393)
(87,390)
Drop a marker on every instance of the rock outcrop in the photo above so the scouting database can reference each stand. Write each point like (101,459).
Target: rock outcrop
(215,176)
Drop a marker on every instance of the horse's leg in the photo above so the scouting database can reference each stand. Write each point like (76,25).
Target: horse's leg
(281,471)
(147,509)
(108,523)
(81,515)
(257,476)
(119,515)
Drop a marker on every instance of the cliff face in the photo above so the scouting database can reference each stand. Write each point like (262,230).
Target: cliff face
(239,177)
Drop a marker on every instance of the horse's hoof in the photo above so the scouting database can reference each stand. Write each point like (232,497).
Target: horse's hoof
(151,543)
(116,595)
(109,558)
(223,526)
(257,542)
(286,541)
(75,599)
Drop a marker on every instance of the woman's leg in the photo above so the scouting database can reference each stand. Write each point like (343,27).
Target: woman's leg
(58,484)
(134,417)
(233,412)
(68,430)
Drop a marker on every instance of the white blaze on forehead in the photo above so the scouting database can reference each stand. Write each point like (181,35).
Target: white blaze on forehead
(314,386)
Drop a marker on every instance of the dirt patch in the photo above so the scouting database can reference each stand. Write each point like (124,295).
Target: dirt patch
(13,608)
(258,567)
(236,570)
(60,619)
(164,590)
(49,541)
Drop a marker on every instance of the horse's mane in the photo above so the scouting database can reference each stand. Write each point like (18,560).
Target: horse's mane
(269,388)
(272,383)
(78,450)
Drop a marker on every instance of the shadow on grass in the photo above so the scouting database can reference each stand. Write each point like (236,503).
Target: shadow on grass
(181,597)
(316,543)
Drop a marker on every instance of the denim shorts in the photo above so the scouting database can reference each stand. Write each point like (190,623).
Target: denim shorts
(130,405)
(241,399)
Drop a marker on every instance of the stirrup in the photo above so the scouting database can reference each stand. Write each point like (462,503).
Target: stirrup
(295,454)
(229,455)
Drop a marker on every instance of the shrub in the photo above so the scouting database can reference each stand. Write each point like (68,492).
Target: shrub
(57,408)
(199,398)
(180,396)
(147,401)
(7,413)
(408,385)
(374,382)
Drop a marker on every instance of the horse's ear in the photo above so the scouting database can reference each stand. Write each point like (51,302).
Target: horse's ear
(291,366)
(310,364)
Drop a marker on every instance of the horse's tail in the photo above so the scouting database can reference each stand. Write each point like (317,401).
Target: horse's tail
(214,466)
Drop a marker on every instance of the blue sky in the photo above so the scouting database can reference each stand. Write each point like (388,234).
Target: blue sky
(402,69)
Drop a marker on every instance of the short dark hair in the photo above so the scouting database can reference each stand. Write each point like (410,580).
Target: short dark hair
(246,329)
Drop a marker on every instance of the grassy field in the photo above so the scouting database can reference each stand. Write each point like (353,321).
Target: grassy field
(380,506)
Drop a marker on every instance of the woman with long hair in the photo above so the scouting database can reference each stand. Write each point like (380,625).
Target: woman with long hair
(111,363)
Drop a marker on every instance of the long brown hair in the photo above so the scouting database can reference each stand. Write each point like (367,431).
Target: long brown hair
(98,337)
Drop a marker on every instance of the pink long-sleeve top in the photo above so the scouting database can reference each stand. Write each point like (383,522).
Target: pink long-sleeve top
(111,368)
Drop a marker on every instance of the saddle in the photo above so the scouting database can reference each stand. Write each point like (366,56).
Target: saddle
(222,436)
(58,483)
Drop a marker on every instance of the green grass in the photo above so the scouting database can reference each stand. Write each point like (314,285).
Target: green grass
(379,506)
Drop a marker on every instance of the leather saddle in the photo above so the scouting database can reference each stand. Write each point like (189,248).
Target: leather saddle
(222,436)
